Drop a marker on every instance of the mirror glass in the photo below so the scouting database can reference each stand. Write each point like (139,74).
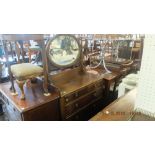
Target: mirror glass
(64,50)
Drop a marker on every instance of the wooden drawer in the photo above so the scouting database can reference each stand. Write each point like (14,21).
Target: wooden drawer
(81,92)
(82,102)
(12,113)
(78,94)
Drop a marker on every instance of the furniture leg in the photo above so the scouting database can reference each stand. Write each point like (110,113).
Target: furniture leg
(107,88)
(45,87)
(13,90)
(21,86)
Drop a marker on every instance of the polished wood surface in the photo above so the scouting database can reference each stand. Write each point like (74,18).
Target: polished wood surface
(72,80)
(121,109)
(34,96)
(35,107)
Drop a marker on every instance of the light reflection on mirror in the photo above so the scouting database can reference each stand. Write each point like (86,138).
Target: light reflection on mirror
(64,50)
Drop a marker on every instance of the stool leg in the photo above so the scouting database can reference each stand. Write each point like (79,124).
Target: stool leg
(21,86)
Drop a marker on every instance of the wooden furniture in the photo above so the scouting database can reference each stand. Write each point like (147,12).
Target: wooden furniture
(31,71)
(121,109)
(78,91)
(80,88)
(36,107)
(109,79)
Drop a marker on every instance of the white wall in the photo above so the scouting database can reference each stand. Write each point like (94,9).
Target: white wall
(146,88)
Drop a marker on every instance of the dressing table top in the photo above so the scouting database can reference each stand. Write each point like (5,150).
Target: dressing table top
(72,80)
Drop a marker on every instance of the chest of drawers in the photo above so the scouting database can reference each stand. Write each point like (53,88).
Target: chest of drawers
(36,107)
(78,92)
(76,102)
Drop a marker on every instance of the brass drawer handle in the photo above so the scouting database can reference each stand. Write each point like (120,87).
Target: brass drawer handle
(76,105)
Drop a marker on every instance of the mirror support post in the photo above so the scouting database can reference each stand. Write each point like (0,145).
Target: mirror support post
(45,67)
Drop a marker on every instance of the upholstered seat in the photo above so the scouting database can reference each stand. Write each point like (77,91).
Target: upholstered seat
(25,71)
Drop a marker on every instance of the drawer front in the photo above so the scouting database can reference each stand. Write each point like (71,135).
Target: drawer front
(12,112)
(83,91)
(76,95)
(82,102)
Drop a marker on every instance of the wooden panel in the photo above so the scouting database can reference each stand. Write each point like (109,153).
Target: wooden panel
(47,112)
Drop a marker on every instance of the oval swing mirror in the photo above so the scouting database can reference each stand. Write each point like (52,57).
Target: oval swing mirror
(63,50)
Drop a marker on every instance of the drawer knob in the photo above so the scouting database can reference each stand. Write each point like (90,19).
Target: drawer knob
(66,99)
(76,105)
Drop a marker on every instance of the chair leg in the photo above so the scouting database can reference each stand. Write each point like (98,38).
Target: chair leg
(12,88)
(21,86)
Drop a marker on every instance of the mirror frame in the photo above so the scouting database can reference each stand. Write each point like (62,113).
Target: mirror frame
(68,65)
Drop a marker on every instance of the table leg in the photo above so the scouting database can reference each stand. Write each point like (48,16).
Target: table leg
(107,88)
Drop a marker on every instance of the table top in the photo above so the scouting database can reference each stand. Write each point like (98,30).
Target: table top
(107,76)
(121,109)
(34,96)
(71,80)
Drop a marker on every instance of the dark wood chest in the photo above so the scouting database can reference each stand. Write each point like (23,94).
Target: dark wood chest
(36,107)
(79,92)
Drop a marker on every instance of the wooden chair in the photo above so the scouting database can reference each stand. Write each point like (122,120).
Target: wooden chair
(24,71)
(135,50)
